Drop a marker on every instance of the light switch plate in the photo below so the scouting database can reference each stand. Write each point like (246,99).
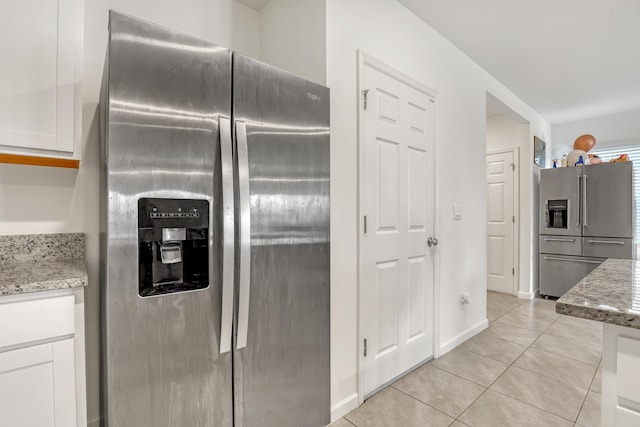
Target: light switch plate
(457,211)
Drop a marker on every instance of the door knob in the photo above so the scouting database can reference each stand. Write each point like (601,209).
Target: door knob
(432,241)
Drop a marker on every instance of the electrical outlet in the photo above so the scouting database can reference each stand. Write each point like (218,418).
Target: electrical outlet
(464,298)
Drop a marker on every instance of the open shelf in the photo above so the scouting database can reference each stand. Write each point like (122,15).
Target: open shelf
(17,159)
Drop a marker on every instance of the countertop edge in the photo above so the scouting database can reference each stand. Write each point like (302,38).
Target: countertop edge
(598,315)
(74,276)
(50,285)
(605,295)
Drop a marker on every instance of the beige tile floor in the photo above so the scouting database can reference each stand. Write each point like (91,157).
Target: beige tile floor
(531,367)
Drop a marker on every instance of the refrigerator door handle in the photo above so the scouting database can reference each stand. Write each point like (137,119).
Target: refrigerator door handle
(582,261)
(579,210)
(245,238)
(228,224)
(584,202)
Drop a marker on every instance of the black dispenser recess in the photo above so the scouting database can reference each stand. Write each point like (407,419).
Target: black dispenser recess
(173,245)
(557,213)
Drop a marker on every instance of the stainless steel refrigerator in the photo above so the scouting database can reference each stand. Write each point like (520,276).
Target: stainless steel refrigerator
(214,236)
(586,216)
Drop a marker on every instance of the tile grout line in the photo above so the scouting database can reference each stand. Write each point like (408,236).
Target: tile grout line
(424,403)
(456,375)
(512,365)
(349,422)
(497,378)
(509,365)
(588,391)
(560,416)
(540,335)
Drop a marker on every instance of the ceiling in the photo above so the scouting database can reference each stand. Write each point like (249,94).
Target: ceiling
(254,4)
(568,59)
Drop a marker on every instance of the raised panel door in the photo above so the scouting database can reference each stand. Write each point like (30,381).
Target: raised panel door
(500,223)
(398,201)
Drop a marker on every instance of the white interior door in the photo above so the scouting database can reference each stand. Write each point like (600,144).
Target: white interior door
(398,142)
(501,222)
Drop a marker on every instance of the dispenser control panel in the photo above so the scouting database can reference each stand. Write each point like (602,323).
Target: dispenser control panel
(173,245)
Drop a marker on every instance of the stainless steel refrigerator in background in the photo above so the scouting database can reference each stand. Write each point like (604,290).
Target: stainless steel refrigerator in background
(586,216)
(214,236)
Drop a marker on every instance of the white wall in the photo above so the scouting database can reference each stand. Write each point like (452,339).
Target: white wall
(66,201)
(392,34)
(504,132)
(246,30)
(50,200)
(617,129)
(293,37)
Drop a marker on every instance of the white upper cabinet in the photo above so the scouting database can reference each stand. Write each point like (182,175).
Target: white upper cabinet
(40,77)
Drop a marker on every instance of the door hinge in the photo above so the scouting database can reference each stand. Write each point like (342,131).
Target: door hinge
(514,219)
(365,347)
(365,224)
(513,166)
(365,96)
(513,271)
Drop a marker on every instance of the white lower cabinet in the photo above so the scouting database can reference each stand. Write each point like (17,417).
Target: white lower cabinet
(38,362)
(37,385)
(620,376)
(627,418)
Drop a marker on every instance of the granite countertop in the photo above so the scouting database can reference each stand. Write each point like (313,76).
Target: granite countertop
(41,262)
(609,294)
(33,276)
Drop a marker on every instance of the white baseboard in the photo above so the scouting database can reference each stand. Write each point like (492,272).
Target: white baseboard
(459,339)
(343,407)
(526,295)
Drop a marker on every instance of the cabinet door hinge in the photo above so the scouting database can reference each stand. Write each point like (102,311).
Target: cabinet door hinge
(514,219)
(365,224)
(365,96)
(365,347)
(513,271)
(513,166)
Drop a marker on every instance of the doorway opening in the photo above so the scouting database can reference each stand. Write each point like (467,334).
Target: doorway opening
(507,138)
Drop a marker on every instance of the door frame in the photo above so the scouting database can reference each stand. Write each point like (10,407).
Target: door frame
(365,59)
(515,151)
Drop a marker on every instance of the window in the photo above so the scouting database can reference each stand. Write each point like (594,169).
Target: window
(633,151)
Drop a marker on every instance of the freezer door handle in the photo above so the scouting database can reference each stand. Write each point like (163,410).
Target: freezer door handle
(559,239)
(607,242)
(245,238)
(582,261)
(228,221)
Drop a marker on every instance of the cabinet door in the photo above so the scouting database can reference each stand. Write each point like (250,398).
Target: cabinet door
(37,386)
(40,62)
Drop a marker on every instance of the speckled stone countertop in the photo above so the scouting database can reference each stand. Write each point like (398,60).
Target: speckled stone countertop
(609,294)
(41,262)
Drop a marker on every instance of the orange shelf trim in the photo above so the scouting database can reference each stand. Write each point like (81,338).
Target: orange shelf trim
(16,159)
